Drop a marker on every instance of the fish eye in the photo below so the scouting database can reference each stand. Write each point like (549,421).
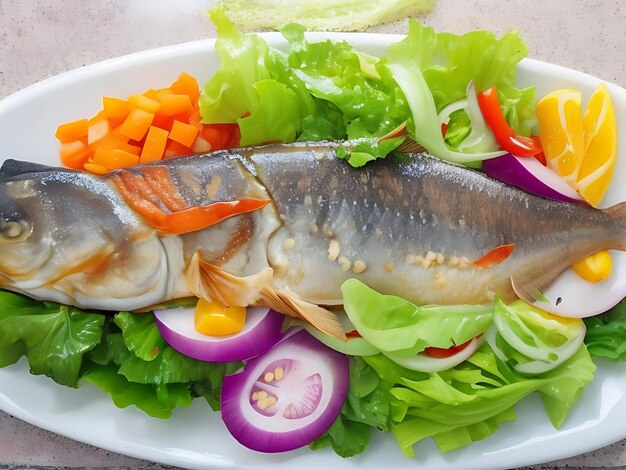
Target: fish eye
(13,230)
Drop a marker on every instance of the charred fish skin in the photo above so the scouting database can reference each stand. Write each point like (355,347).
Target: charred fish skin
(415,229)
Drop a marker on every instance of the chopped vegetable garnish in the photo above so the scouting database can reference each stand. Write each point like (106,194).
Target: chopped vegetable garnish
(157,124)
(505,136)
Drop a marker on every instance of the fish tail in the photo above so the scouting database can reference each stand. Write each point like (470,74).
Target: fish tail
(618,214)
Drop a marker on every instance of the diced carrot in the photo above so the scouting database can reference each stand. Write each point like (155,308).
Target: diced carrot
(151,93)
(74,154)
(161,93)
(163,122)
(72,131)
(200,145)
(183,133)
(145,103)
(176,104)
(185,84)
(114,158)
(115,108)
(183,117)
(134,149)
(98,130)
(110,141)
(136,124)
(96,168)
(122,159)
(174,149)
(154,147)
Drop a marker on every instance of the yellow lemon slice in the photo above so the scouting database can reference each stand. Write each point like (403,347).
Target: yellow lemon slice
(600,135)
(561,134)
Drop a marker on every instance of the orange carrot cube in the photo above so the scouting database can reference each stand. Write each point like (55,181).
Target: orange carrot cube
(113,159)
(98,130)
(96,168)
(161,93)
(136,124)
(150,93)
(145,103)
(74,154)
(183,133)
(72,131)
(154,146)
(185,84)
(176,104)
(163,122)
(115,108)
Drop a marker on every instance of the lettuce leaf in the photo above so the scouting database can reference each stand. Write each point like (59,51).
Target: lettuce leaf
(606,333)
(156,401)
(366,407)
(318,91)
(468,403)
(434,70)
(144,363)
(393,324)
(448,63)
(54,338)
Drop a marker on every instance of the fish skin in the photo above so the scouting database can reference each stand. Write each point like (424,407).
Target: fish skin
(382,217)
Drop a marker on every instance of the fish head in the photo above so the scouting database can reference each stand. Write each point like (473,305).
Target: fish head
(49,218)
(24,239)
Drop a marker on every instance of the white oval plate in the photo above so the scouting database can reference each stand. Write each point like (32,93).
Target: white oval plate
(195,437)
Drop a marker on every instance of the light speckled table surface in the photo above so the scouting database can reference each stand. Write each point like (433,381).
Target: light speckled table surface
(41,38)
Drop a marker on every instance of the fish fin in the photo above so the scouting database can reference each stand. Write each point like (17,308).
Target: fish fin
(290,305)
(495,256)
(531,288)
(211,282)
(618,215)
(617,211)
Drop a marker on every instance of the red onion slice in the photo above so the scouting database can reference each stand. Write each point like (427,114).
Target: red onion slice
(259,334)
(529,174)
(288,397)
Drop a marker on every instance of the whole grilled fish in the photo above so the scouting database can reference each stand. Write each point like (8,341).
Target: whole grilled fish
(428,231)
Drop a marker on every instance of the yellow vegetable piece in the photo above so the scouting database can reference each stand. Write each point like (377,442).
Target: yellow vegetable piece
(561,133)
(600,134)
(594,268)
(214,319)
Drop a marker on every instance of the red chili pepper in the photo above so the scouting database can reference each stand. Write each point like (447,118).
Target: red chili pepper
(444,129)
(441,353)
(353,334)
(540,156)
(504,135)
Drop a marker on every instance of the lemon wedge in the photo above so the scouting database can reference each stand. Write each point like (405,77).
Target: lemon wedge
(561,134)
(600,136)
